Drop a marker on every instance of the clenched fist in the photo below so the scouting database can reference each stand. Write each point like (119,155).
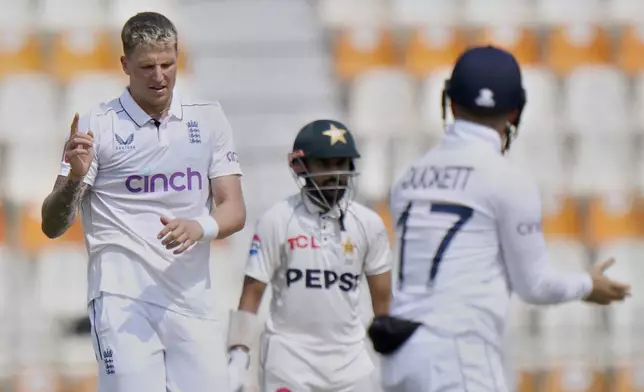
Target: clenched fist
(79,150)
(181,233)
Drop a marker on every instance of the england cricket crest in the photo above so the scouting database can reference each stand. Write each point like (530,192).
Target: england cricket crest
(108,361)
(194,134)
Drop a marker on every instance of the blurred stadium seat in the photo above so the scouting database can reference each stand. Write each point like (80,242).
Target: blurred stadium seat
(625,11)
(382,104)
(421,13)
(431,49)
(16,14)
(523,43)
(215,25)
(33,97)
(557,13)
(629,49)
(637,105)
(56,267)
(567,329)
(119,11)
(360,49)
(484,13)
(602,164)
(375,166)
(20,51)
(431,103)
(295,84)
(589,112)
(84,91)
(78,51)
(353,13)
(613,217)
(572,46)
(56,15)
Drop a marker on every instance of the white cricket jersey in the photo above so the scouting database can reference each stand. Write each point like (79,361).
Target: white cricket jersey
(139,173)
(469,233)
(314,269)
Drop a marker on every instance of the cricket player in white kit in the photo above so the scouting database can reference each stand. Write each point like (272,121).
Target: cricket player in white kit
(313,248)
(469,234)
(144,168)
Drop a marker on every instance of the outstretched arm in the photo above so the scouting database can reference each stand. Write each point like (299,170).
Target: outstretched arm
(60,207)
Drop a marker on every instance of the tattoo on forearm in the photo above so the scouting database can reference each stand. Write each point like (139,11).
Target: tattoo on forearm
(59,209)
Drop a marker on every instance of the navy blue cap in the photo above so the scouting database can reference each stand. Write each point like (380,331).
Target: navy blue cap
(486,80)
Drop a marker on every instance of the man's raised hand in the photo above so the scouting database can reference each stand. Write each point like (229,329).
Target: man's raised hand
(79,150)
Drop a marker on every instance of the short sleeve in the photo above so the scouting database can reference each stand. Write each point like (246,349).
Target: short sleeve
(264,254)
(378,257)
(86,123)
(223,161)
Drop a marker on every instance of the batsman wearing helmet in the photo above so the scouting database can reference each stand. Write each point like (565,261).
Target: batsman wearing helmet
(468,235)
(313,248)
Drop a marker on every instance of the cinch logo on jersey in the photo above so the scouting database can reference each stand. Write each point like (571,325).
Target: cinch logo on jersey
(179,181)
(322,279)
(527,228)
(302,242)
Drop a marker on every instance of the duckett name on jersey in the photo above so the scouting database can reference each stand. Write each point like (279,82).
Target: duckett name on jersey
(322,279)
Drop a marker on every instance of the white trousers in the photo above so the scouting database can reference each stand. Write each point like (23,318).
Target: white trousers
(144,347)
(289,367)
(428,362)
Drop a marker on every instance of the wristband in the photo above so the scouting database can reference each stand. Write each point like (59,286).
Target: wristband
(210,227)
(242,328)
(239,357)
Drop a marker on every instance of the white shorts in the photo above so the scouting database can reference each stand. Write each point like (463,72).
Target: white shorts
(428,362)
(287,367)
(144,347)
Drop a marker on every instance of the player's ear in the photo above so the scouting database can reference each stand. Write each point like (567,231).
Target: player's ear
(513,116)
(124,65)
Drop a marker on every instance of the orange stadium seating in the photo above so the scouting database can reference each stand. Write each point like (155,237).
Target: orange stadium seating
(568,47)
(20,52)
(429,49)
(521,42)
(76,52)
(630,48)
(360,49)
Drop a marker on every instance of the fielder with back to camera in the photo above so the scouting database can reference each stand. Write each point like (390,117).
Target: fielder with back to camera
(468,235)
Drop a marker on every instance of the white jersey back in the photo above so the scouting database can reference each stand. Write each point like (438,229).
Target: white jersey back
(464,241)
(314,268)
(141,172)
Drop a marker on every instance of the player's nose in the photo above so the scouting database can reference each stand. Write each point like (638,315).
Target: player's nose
(157,75)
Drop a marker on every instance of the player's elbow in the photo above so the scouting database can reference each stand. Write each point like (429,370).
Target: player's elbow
(537,294)
(51,227)
(50,231)
(533,298)
(240,218)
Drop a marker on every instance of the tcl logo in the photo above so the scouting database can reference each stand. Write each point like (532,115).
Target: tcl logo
(302,241)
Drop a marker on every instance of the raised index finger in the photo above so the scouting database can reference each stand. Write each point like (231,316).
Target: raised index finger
(74,127)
